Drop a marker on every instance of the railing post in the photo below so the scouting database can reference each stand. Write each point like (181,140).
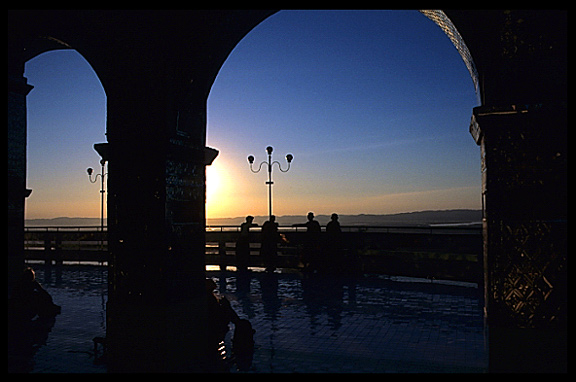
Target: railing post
(47,248)
(58,248)
(222,254)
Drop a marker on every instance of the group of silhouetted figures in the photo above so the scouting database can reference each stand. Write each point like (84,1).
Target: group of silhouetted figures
(317,254)
(31,306)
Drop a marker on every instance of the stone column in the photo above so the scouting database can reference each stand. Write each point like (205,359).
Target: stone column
(18,89)
(524,177)
(156,317)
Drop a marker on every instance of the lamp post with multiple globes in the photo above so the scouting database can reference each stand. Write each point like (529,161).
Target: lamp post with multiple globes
(270,164)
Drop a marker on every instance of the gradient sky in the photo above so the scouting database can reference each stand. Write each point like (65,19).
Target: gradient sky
(374,106)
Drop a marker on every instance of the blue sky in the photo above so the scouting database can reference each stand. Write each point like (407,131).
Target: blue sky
(374,106)
(66,116)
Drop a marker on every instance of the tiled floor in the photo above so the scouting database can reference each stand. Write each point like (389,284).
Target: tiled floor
(303,324)
(68,346)
(371,324)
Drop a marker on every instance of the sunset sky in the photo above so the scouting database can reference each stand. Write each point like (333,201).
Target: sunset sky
(374,106)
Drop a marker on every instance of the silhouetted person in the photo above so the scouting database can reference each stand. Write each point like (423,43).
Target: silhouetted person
(220,313)
(31,316)
(334,253)
(243,244)
(243,344)
(311,256)
(333,229)
(29,299)
(269,248)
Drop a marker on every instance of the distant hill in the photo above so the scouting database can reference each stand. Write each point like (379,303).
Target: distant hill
(423,218)
(63,222)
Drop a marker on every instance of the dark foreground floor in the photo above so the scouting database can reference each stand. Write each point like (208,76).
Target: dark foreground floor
(303,323)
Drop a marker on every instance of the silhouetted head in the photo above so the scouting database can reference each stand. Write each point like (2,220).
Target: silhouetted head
(249,218)
(28,275)
(243,331)
(243,324)
(334,217)
(310,216)
(210,285)
(272,218)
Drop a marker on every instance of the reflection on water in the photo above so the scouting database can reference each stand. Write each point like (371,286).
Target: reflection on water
(303,323)
(315,323)
(81,291)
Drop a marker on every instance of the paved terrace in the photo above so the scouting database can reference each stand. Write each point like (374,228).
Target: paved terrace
(366,324)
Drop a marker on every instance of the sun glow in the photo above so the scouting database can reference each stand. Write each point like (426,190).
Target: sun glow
(219,181)
(232,191)
(213,181)
(213,188)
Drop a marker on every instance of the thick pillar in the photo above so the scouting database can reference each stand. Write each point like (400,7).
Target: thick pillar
(156,222)
(524,177)
(18,89)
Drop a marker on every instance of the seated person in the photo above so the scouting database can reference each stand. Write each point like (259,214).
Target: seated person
(29,299)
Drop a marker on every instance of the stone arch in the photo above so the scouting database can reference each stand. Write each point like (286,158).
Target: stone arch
(78,100)
(521,59)
(442,20)
(262,54)
(439,17)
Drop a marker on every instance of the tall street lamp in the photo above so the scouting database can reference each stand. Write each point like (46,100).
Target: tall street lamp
(102,150)
(269,150)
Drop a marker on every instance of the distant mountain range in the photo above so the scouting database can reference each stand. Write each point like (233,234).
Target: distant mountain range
(424,218)
(63,222)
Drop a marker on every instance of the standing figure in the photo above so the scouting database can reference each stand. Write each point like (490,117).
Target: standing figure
(311,257)
(334,245)
(243,244)
(269,243)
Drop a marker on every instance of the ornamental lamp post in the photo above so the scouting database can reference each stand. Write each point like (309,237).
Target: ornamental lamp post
(102,150)
(270,164)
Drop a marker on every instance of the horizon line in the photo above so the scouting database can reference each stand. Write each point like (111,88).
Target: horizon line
(278,216)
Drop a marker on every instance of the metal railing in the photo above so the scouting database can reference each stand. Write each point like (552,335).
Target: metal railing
(433,229)
(373,248)
(92,238)
(87,238)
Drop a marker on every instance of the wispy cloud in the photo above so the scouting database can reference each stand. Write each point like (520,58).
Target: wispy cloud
(384,203)
(443,191)
(378,144)
(448,198)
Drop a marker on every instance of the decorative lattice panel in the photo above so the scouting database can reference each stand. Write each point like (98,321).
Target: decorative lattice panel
(529,275)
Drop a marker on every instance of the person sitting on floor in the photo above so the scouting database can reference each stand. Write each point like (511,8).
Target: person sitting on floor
(28,299)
